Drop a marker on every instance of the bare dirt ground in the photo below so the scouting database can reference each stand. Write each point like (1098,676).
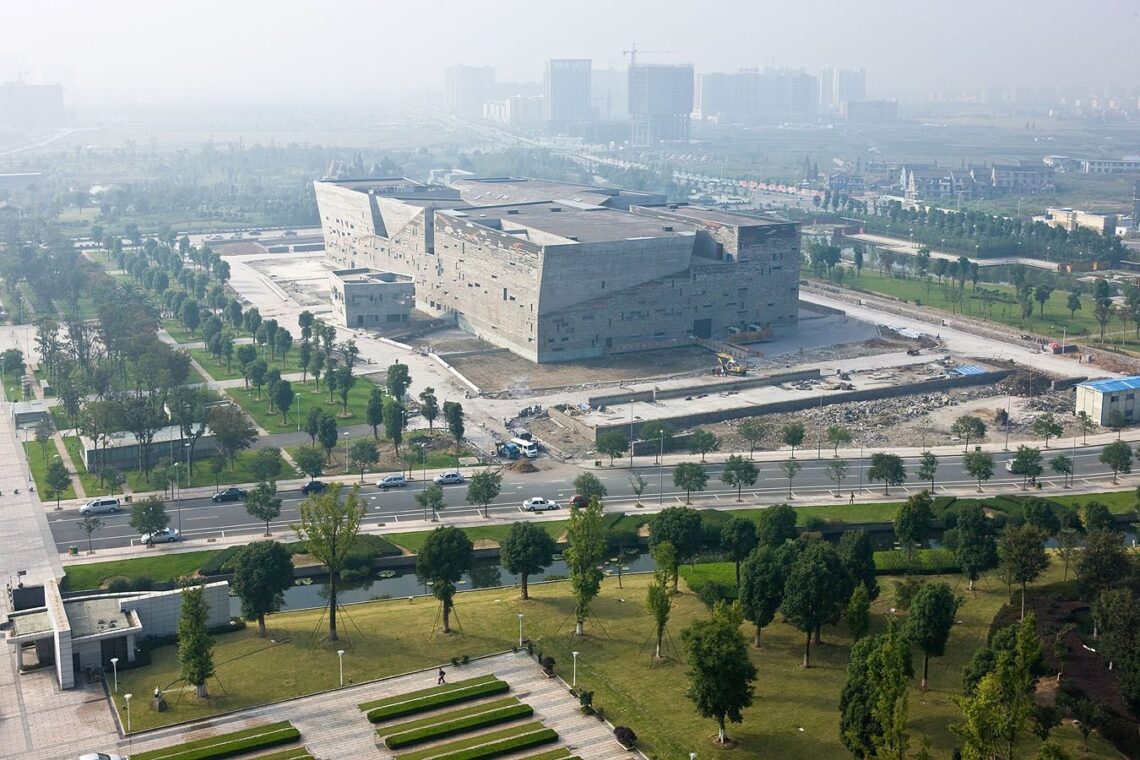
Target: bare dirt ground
(237,249)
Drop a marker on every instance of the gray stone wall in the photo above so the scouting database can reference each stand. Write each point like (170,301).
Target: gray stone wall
(158,611)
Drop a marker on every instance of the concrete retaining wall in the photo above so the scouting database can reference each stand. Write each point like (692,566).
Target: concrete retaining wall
(692,390)
(682,422)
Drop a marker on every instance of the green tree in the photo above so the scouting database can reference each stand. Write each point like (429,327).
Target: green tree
(429,406)
(913,522)
(888,468)
(979,465)
(263,571)
(753,431)
(57,479)
(792,435)
(776,526)
(309,460)
(195,645)
(837,435)
(394,421)
(431,498)
(702,442)
(484,487)
(968,426)
(637,484)
(1047,427)
(873,704)
(612,444)
(1086,425)
(681,527)
(720,672)
(149,515)
(313,423)
(690,476)
(660,604)
(1073,304)
(263,503)
(1096,516)
(89,524)
(585,549)
(589,487)
(927,467)
(398,380)
(525,550)
(837,471)
(761,588)
(791,467)
(857,553)
(1116,421)
(328,436)
(858,615)
(362,454)
(1021,550)
(930,617)
(1118,456)
(329,527)
(233,432)
(445,556)
(814,591)
(976,549)
(453,416)
(1103,563)
(739,472)
(737,540)
(374,411)
(1063,466)
(1088,715)
(1027,464)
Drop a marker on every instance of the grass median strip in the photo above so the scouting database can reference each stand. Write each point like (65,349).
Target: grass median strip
(293,753)
(227,745)
(487,745)
(462,712)
(560,753)
(439,696)
(459,725)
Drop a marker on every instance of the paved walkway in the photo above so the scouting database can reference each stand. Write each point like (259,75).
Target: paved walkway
(332,727)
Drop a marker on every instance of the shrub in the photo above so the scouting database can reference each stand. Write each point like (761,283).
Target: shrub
(488,745)
(455,661)
(441,729)
(814,524)
(227,745)
(221,562)
(119,584)
(530,647)
(437,696)
(547,664)
(625,736)
(141,583)
(711,592)
(463,660)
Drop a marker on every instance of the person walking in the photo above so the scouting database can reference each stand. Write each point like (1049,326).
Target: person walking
(441,677)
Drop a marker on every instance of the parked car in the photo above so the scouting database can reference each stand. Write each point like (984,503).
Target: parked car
(579,501)
(230,494)
(101,756)
(164,536)
(448,478)
(539,504)
(100,506)
(314,486)
(391,481)
(1009,465)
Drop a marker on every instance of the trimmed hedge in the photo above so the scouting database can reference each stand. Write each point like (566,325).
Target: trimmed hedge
(561,753)
(487,745)
(443,729)
(227,745)
(296,753)
(450,715)
(429,699)
(926,562)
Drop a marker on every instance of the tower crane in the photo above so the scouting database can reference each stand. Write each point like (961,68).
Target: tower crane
(633,51)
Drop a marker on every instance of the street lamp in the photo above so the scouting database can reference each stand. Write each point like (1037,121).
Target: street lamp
(340,659)
(128,698)
(346,433)
(300,399)
(660,464)
(115,666)
(631,434)
(574,678)
(520,630)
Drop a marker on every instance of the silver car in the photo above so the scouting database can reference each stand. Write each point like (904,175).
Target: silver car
(163,536)
(449,478)
(539,504)
(100,506)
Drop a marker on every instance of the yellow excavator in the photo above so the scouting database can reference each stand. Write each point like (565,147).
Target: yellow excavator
(730,366)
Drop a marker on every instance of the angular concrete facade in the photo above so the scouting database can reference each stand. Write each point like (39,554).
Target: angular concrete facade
(560,280)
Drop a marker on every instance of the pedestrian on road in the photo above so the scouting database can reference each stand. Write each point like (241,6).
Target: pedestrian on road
(852,498)
(441,677)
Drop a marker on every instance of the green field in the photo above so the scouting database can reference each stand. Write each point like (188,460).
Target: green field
(90,482)
(795,713)
(232,475)
(305,397)
(1056,322)
(38,463)
(160,568)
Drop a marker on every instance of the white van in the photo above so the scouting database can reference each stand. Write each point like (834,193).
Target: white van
(99,506)
(528,449)
(391,481)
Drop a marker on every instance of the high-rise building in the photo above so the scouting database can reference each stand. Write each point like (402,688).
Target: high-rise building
(467,88)
(609,91)
(567,92)
(752,96)
(840,86)
(660,102)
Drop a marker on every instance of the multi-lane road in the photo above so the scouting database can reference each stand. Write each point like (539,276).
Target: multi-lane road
(199,517)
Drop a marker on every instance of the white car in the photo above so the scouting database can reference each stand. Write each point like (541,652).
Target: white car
(101,756)
(164,536)
(391,481)
(100,506)
(449,478)
(539,504)
(1009,465)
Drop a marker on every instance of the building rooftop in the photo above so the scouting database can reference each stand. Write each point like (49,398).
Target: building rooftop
(397,187)
(1113,384)
(492,191)
(29,623)
(365,275)
(718,216)
(95,615)
(559,223)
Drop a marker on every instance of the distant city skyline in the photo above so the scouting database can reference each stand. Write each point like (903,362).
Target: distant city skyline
(342,50)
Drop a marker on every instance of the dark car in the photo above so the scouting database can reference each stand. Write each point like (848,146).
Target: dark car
(579,501)
(230,494)
(314,486)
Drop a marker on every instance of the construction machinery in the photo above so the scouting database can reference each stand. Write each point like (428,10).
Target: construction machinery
(728,365)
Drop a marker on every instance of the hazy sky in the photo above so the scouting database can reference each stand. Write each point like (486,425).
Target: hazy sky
(334,49)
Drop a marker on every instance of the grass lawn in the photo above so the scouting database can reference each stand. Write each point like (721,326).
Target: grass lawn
(218,368)
(414,540)
(395,636)
(306,396)
(239,473)
(90,482)
(161,568)
(1056,318)
(175,329)
(1118,502)
(389,462)
(39,465)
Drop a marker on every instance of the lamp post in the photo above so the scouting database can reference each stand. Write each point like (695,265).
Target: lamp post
(340,660)
(115,667)
(520,630)
(128,698)
(631,434)
(660,465)
(574,677)
(300,399)
(346,433)
(860,467)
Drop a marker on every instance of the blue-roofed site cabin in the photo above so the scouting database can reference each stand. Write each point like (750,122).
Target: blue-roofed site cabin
(1100,398)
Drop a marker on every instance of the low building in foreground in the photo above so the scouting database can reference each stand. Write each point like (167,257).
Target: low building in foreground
(367,298)
(1099,399)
